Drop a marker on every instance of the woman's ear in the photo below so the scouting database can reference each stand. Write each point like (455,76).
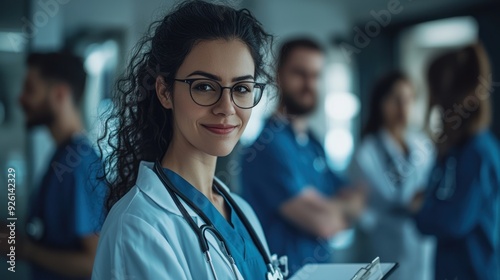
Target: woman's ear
(162,92)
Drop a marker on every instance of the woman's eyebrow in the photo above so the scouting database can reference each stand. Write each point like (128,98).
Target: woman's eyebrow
(217,78)
(242,78)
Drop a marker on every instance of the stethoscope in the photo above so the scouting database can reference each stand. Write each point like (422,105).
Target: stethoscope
(446,178)
(273,269)
(399,179)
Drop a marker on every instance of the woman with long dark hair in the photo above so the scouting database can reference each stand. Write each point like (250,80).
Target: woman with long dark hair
(185,100)
(394,161)
(462,205)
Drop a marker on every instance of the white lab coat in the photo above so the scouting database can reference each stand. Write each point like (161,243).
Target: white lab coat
(391,231)
(146,237)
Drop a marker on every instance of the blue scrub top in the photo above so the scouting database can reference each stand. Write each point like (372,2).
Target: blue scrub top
(275,169)
(462,209)
(68,205)
(245,253)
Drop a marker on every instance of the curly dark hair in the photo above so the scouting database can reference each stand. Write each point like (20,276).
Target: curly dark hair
(139,127)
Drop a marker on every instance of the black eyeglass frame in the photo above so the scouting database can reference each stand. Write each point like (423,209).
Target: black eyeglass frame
(191,81)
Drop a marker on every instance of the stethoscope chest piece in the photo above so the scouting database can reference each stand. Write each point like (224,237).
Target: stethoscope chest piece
(274,268)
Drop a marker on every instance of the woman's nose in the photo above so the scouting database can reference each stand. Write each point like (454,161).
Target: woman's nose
(225,105)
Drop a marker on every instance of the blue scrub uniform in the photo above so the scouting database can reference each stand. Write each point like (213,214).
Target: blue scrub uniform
(462,209)
(275,169)
(245,253)
(69,202)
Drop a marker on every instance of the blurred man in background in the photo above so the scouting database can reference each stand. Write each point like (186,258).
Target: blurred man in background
(65,212)
(285,176)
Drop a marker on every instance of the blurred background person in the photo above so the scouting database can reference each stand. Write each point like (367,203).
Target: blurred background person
(462,205)
(394,161)
(66,210)
(285,176)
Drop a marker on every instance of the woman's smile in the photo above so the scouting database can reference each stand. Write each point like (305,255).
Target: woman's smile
(220,129)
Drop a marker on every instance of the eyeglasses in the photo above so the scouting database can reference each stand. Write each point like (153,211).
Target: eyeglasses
(205,92)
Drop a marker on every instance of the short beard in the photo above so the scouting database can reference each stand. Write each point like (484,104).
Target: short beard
(295,108)
(44,117)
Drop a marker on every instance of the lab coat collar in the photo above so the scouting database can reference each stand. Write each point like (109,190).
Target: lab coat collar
(392,147)
(149,183)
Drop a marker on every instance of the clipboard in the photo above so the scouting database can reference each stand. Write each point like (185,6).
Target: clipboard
(348,271)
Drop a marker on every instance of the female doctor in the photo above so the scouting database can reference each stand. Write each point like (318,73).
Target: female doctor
(185,101)
(394,161)
(461,207)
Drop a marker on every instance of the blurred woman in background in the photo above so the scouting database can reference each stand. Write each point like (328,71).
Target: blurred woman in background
(462,205)
(393,161)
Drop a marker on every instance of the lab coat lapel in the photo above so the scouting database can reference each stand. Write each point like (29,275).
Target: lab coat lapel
(406,165)
(150,184)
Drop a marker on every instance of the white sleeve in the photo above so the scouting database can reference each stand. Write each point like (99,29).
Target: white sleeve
(136,250)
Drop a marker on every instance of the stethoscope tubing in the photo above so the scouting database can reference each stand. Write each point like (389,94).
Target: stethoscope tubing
(175,193)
